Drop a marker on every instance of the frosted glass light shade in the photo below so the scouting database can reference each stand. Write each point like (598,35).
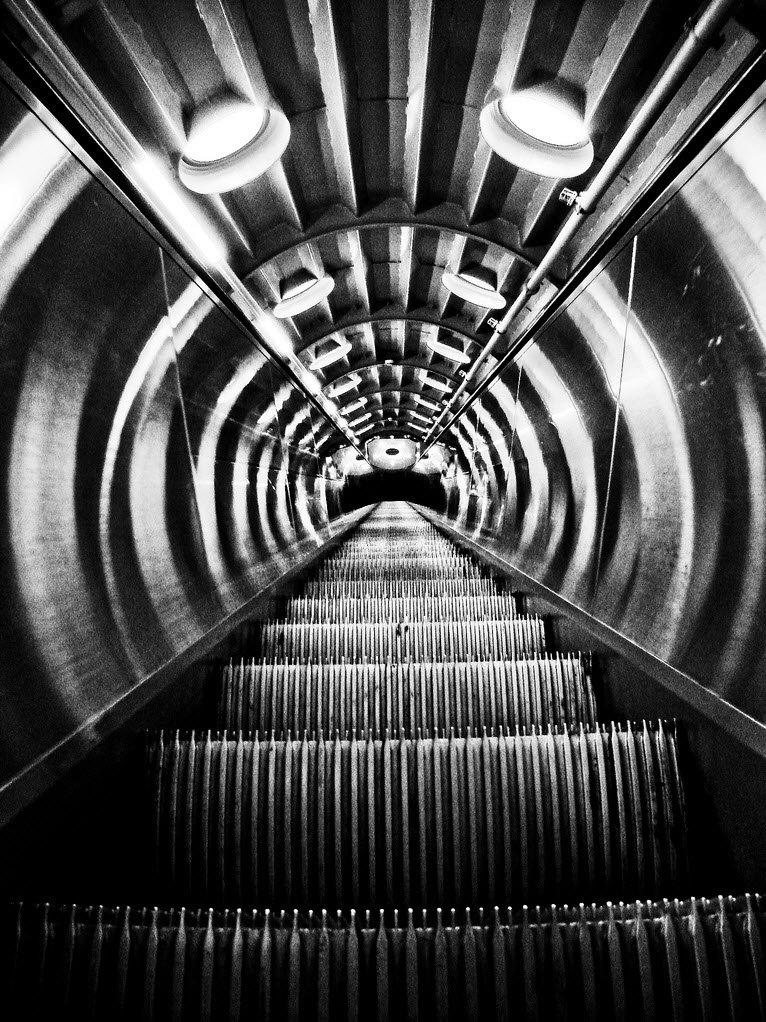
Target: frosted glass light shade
(231,142)
(540,129)
(302,292)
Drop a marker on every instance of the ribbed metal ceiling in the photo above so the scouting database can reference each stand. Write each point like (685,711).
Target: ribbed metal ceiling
(387,180)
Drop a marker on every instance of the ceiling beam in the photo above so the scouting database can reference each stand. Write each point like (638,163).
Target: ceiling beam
(446,218)
(514,41)
(421,35)
(337,100)
(607,68)
(423,317)
(232,39)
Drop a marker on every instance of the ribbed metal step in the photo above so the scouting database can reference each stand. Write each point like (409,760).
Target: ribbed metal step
(391,754)
(443,607)
(390,569)
(404,698)
(702,959)
(401,588)
(533,818)
(480,639)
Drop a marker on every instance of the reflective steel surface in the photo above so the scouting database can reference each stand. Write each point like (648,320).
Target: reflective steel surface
(156,470)
(630,475)
(151,482)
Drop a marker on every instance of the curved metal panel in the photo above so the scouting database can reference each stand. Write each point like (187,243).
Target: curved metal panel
(636,482)
(150,481)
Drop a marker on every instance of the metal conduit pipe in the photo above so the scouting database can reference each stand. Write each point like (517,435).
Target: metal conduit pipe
(698,35)
(116,140)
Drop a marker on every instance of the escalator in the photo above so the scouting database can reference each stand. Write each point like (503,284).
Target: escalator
(406,805)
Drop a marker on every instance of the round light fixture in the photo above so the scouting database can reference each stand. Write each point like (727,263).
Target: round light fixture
(475,284)
(447,351)
(432,381)
(359,403)
(335,354)
(429,404)
(230,142)
(540,129)
(344,385)
(301,292)
(359,419)
(417,415)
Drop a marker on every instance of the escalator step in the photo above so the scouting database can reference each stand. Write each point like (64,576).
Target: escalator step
(416,640)
(441,607)
(401,588)
(373,698)
(699,959)
(543,817)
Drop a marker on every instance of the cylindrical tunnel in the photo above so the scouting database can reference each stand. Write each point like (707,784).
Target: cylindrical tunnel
(168,462)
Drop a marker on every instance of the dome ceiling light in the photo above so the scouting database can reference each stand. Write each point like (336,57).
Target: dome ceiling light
(417,415)
(346,385)
(429,404)
(361,418)
(334,355)
(231,141)
(359,403)
(301,292)
(475,284)
(431,381)
(392,454)
(447,351)
(540,129)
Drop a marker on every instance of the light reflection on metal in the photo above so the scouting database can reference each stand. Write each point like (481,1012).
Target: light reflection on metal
(28,156)
(424,401)
(207,245)
(475,285)
(244,376)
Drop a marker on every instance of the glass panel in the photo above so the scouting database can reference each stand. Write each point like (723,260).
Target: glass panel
(93,460)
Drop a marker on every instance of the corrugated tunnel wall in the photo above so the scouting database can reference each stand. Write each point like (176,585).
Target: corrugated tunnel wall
(157,472)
